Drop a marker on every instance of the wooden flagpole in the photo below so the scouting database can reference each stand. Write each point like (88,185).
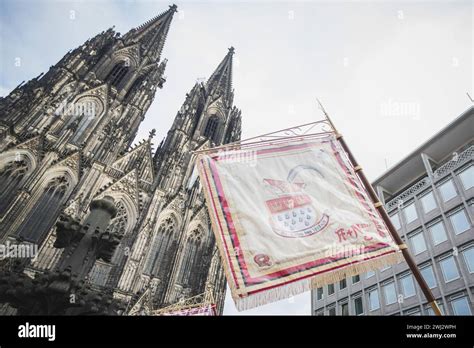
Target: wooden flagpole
(383,213)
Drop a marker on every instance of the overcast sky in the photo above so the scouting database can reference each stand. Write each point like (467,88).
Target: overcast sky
(390,74)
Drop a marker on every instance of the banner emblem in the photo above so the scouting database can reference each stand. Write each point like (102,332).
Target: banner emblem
(292,214)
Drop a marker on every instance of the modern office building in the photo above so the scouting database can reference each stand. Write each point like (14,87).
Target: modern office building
(429,196)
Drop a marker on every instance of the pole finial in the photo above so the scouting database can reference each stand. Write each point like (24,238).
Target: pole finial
(321,107)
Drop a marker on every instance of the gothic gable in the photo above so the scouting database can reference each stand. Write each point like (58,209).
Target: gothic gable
(127,184)
(129,54)
(140,157)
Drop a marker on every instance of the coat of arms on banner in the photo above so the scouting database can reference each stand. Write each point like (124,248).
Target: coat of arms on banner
(292,213)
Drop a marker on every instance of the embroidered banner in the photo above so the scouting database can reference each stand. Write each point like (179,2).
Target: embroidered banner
(288,218)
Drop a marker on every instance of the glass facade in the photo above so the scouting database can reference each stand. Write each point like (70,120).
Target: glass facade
(374,302)
(467,178)
(429,276)
(319,293)
(468,255)
(344,308)
(449,268)
(358,306)
(410,213)
(342,284)
(407,285)
(395,221)
(390,293)
(447,190)
(428,202)
(461,306)
(417,242)
(459,222)
(438,233)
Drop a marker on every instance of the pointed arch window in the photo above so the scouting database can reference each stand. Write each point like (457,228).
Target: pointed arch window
(138,84)
(86,114)
(163,248)
(192,256)
(118,224)
(211,127)
(45,211)
(117,73)
(230,131)
(11,178)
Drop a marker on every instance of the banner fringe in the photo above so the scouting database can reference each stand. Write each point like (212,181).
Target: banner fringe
(316,281)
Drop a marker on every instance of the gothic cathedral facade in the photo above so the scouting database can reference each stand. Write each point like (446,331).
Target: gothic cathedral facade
(66,139)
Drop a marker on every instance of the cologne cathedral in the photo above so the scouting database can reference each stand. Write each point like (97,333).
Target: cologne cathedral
(66,141)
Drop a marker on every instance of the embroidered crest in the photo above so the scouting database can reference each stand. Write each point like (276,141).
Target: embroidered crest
(292,213)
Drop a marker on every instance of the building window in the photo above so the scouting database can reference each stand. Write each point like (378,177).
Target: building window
(11,179)
(467,178)
(385,268)
(450,271)
(358,307)
(319,293)
(342,284)
(417,242)
(428,202)
(211,127)
(345,308)
(117,74)
(413,312)
(461,306)
(369,274)
(430,311)
(45,211)
(319,312)
(410,213)
(408,287)
(332,311)
(330,289)
(428,275)
(448,191)
(438,233)
(355,279)
(459,222)
(469,258)
(395,221)
(374,302)
(389,293)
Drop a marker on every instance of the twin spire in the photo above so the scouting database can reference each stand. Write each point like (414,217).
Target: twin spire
(220,82)
(152,34)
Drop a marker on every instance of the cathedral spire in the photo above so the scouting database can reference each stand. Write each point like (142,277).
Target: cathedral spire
(152,34)
(220,82)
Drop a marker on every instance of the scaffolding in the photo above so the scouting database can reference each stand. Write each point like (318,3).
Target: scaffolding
(185,306)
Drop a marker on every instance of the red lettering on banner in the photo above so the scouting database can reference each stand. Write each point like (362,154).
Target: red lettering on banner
(352,232)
